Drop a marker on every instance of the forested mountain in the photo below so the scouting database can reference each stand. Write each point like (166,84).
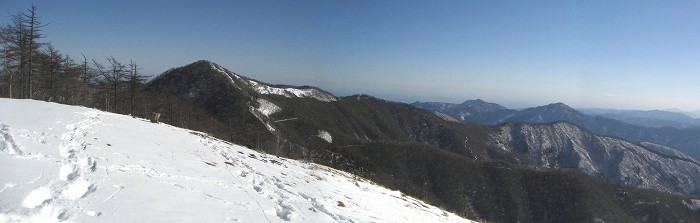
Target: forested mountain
(562,145)
(300,118)
(477,110)
(401,146)
(684,139)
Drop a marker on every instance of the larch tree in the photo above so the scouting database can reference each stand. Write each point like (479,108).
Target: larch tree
(52,74)
(136,85)
(20,45)
(33,35)
(12,36)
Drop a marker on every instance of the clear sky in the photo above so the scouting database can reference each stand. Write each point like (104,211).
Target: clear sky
(608,54)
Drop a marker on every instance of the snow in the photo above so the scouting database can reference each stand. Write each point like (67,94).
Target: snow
(82,165)
(267,108)
(622,161)
(446,117)
(694,204)
(260,118)
(226,73)
(291,92)
(78,189)
(325,136)
(37,197)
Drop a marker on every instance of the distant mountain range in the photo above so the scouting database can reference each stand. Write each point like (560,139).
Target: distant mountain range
(506,173)
(685,139)
(652,118)
(694,114)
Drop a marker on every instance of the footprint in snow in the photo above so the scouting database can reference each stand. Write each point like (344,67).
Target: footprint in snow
(37,197)
(78,189)
(68,172)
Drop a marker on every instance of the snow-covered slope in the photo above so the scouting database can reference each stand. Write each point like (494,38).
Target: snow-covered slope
(263,88)
(63,163)
(563,145)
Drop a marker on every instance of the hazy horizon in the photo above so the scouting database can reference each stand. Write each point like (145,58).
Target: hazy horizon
(617,55)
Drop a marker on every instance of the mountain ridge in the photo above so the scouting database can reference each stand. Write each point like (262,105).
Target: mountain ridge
(681,139)
(564,145)
(648,118)
(291,126)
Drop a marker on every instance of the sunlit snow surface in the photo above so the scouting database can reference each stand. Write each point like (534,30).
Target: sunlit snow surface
(325,136)
(267,108)
(291,92)
(63,163)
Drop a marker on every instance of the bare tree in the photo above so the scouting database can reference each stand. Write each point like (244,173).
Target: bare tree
(34,33)
(7,72)
(52,73)
(84,88)
(12,36)
(115,77)
(20,43)
(102,83)
(136,84)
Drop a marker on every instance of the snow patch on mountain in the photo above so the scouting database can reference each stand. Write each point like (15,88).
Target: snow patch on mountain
(267,108)
(446,117)
(325,136)
(291,92)
(693,204)
(261,117)
(230,75)
(83,165)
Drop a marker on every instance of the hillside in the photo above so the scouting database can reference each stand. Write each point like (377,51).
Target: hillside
(562,145)
(684,139)
(445,163)
(289,124)
(63,163)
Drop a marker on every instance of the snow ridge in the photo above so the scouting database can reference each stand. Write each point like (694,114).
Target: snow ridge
(226,73)
(291,92)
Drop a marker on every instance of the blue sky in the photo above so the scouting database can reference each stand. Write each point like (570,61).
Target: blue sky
(609,54)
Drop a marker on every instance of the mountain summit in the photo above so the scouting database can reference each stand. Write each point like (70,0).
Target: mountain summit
(188,76)
(547,113)
(482,106)
(466,111)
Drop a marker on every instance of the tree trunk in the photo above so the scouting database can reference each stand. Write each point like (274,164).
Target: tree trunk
(9,73)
